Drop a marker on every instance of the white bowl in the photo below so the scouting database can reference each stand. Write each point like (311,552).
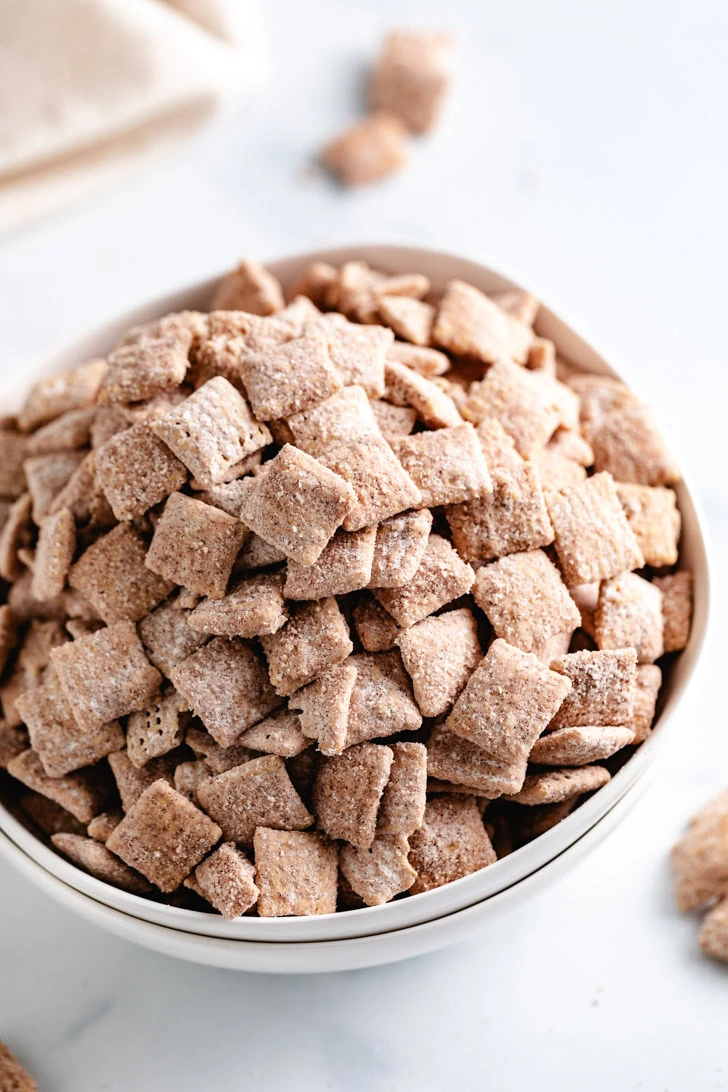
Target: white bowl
(531,859)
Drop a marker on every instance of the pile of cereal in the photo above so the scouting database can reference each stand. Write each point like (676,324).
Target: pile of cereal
(700,866)
(310,605)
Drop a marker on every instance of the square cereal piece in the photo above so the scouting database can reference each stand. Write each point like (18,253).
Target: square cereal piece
(602,687)
(299,311)
(8,634)
(163,836)
(581,745)
(257,794)
(525,599)
(168,637)
(323,707)
(347,792)
(441,577)
(629,615)
(592,537)
(144,368)
(571,444)
(105,675)
(713,935)
(59,742)
(195,545)
(344,565)
(16,534)
(47,475)
(367,151)
(113,576)
(217,759)
(446,465)
(552,786)
(357,352)
(48,816)
(393,421)
(407,388)
(297,874)
(13,453)
(517,398)
(77,792)
(411,76)
(279,734)
(626,443)
(314,638)
(257,554)
(426,361)
(451,843)
(81,495)
(211,431)
(228,496)
(132,782)
(290,378)
(254,606)
(379,872)
(507,703)
(409,319)
(399,548)
(402,806)
(226,686)
(381,701)
(188,776)
(35,651)
(136,470)
(375,628)
(440,654)
(653,515)
(647,688)
(66,433)
(53,555)
(468,323)
(13,1076)
(700,858)
(157,730)
(233,336)
(71,390)
(677,608)
(226,879)
(599,395)
(316,282)
(522,305)
(297,504)
(248,287)
(96,859)
(102,825)
(467,768)
(556,471)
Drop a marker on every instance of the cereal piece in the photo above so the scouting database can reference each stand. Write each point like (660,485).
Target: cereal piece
(217,759)
(411,76)
(315,282)
(402,806)
(256,794)
(227,880)
(257,554)
(48,816)
(536,820)
(507,703)
(53,555)
(426,361)
(653,515)
(66,433)
(157,730)
(8,634)
(358,288)
(296,873)
(248,287)
(465,767)
(713,935)
(82,497)
(441,577)
(47,475)
(522,305)
(324,707)
(407,388)
(602,687)
(136,471)
(13,741)
(105,675)
(291,377)
(13,454)
(145,367)
(629,615)
(195,545)
(188,776)
(394,421)
(599,395)
(503,588)
(410,319)
(519,400)
(592,537)
(357,352)
(379,872)
(344,565)
(76,792)
(234,336)
(279,734)
(254,606)
(571,445)
(226,686)
(298,313)
(677,608)
(168,637)
(399,548)
(375,628)
(451,843)
(228,496)
(163,836)
(58,394)
(13,1077)
(381,701)
(314,638)
(131,782)
(96,859)
(557,472)
(648,683)
(34,655)
(552,786)
(446,465)
(627,444)
(700,858)
(440,654)
(468,323)
(347,792)
(542,358)
(102,825)
(113,576)
(368,151)
(580,746)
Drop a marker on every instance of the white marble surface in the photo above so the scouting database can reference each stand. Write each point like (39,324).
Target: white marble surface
(583,149)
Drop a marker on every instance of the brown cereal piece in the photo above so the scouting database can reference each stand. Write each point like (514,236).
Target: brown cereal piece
(571,445)
(186,599)
(347,792)
(13,1076)
(428,362)
(507,703)
(457,762)
(145,367)
(602,687)
(13,741)
(226,686)
(653,515)
(357,352)
(248,287)
(53,555)
(441,577)
(315,282)
(79,627)
(96,859)
(13,454)
(375,628)
(58,394)
(677,608)
(66,433)
(446,465)
(195,545)
(522,305)
(399,548)
(600,394)
(131,782)
(279,734)
(105,675)
(381,701)
(534,821)
(35,652)
(314,638)
(451,843)
(8,634)
(440,654)
(48,816)
(542,358)
(163,836)
(411,76)
(648,683)
(233,336)
(402,806)
(324,707)
(102,825)
(297,313)
(47,475)
(187,326)
(258,554)
(498,447)
(113,576)
(291,377)
(257,794)
(410,319)
(580,746)
(227,880)
(700,858)
(552,786)
(15,535)
(380,871)
(394,421)
(296,873)
(556,471)
(344,565)
(188,776)
(525,599)
(368,151)
(358,288)
(156,731)
(586,597)
(136,471)
(407,388)
(592,537)
(108,421)
(254,606)
(77,792)
(713,935)
(626,443)
(468,323)
(629,615)
(217,759)
(82,497)
(228,496)
(519,400)
(168,637)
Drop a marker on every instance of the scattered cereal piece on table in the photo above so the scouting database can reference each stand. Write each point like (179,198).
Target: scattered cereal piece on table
(368,151)
(13,1077)
(713,935)
(700,858)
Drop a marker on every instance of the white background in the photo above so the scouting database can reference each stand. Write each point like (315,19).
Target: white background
(584,150)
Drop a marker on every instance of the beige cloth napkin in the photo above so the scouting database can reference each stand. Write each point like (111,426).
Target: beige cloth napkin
(88,88)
